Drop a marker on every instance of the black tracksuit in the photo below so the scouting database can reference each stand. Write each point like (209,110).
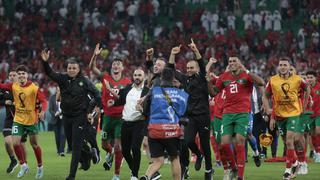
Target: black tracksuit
(75,106)
(197,112)
(7,95)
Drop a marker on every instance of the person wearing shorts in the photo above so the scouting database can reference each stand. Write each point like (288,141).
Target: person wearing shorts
(237,82)
(284,90)
(25,95)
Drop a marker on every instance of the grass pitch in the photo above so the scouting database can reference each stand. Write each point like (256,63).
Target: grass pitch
(57,168)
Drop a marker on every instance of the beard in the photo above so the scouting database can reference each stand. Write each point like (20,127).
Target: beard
(137,82)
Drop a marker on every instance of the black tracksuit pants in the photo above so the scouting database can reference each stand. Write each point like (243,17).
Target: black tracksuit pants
(75,129)
(131,139)
(199,124)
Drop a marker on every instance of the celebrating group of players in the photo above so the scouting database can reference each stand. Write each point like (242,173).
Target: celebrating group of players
(292,101)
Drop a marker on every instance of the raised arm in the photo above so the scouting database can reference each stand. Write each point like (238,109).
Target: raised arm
(256,79)
(196,52)
(149,65)
(93,61)
(57,77)
(174,52)
(307,90)
(212,61)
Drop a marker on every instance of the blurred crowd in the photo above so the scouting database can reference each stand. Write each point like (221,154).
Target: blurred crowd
(126,28)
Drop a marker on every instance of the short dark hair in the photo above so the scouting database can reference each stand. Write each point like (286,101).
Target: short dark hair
(285,58)
(303,73)
(167,74)
(117,59)
(161,59)
(73,61)
(22,68)
(314,73)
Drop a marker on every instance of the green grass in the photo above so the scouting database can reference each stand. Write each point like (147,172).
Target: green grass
(57,168)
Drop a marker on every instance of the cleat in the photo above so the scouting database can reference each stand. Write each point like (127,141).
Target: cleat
(23,170)
(12,166)
(39,173)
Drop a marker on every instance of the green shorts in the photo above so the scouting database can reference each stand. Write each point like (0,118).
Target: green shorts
(20,129)
(304,122)
(235,124)
(289,124)
(217,129)
(111,128)
(314,122)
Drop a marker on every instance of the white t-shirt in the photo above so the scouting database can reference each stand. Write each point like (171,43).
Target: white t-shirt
(129,112)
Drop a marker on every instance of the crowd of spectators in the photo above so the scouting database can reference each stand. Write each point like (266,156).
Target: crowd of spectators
(126,28)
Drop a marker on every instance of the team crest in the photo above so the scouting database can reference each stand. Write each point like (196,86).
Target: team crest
(80,83)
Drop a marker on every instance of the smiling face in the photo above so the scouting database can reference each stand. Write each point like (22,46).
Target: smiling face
(192,68)
(116,67)
(233,64)
(158,66)
(73,69)
(22,77)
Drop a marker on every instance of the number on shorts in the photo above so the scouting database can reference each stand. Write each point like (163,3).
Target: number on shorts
(15,129)
(216,134)
(221,129)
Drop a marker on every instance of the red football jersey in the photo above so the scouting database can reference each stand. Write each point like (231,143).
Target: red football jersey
(211,108)
(218,104)
(238,91)
(315,93)
(114,111)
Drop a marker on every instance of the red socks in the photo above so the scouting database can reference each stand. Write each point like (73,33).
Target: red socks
(289,158)
(301,155)
(226,150)
(106,146)
(240,159)
(118,160)
(38,154)
(224,160)
(19,153)
(317,143)
(214,146)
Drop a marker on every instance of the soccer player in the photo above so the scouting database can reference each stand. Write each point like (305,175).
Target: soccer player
(216,104)
(25,95)
(284,89)
(7,101)
(300,139)
(237,82)
(315,121)
(111,125)
(228,162)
